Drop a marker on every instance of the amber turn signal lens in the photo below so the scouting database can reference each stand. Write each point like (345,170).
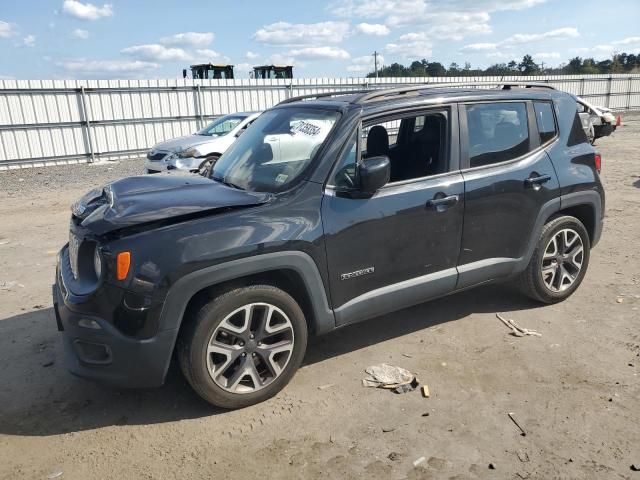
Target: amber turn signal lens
(123,263)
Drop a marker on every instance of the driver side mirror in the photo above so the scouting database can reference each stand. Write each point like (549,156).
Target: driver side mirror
(374,173)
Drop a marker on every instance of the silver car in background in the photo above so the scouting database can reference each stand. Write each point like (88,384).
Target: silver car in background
(195,153)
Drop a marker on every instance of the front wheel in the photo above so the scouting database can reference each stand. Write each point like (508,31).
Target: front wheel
(244,346)
(559,262)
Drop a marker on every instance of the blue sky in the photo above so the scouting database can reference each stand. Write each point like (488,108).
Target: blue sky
(53,39)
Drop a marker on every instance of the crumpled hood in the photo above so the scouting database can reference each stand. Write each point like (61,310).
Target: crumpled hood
(183,143)
(150,198)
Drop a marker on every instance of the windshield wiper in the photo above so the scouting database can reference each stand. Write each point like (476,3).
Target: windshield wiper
(227,183)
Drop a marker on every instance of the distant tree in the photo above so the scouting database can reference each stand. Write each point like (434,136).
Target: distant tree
(575,66)
(527,66)
(589,66)
(619,63)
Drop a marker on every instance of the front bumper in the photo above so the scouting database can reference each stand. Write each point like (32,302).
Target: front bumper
(96,350)
(175,164)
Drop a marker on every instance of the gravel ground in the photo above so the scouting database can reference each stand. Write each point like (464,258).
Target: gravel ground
(575,390)
(29,181)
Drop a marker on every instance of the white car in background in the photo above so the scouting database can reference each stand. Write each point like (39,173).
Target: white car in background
(596,121)
(195,153)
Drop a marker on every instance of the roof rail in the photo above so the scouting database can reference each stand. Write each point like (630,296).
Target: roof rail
(370,94)
(322,95)
(375,94)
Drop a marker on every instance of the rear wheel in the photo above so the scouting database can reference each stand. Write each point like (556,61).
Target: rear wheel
(244,346)
(559,262)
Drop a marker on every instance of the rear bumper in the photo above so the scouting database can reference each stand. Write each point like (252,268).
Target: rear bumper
(96,350)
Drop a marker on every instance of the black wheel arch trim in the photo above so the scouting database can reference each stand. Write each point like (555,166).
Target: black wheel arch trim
(185,288)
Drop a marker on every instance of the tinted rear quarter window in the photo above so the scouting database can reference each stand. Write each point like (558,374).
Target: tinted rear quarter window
(498,132)
(545,120)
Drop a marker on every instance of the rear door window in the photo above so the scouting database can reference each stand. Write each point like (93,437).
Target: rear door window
(497,132)
(545,120)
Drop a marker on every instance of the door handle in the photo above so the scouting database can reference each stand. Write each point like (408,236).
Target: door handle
(539,180)
(441,203)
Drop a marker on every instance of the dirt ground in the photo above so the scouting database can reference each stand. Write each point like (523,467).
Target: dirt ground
(575,390)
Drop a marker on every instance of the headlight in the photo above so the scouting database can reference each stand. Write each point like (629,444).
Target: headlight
(97,263)
(191,152)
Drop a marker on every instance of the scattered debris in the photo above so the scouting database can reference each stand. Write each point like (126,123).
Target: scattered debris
(522,456)
(55,474)
(620,299)
(406,355)
(48,364)
(393,456)
(387,376)
(425,391)
(444,364)
(38,307)
(407,387)
(513,419)
(635,467)
(324,387)
(8,285)
(388,429)
(492,466)
(425,414)
(517,330)
(524,475)
(4,242)
(418,461)
(630,364)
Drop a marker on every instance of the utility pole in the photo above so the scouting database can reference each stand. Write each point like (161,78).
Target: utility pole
(375,62)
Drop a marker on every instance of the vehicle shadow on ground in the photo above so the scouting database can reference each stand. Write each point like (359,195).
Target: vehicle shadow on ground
(40,399)
(636,184)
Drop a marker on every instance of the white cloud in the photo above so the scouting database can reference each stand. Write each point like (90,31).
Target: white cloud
(521,38)
(376,29)
(282,59)
(189,39)
(479,47)
(283,33)
(364,64)
(108,68)
(86,11)
(7,30)
(410,8)
(314,53)
(29,41)
(156,52)
(411,45)
(80,34)
(628,41)
(547,56)
(252,56)
(567,32)
(206,55)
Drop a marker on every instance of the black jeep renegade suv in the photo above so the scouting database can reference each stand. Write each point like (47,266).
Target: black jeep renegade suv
(327,211)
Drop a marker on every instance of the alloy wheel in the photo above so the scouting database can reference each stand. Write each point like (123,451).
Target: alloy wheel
(562,260)
(250,348)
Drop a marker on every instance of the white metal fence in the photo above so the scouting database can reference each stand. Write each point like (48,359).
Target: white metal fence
(46,122)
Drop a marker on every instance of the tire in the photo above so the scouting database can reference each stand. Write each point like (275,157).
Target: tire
(544,279)
(205,167)
(221,352)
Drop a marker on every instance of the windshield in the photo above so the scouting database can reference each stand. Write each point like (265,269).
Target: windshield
(221,126)
(276,149)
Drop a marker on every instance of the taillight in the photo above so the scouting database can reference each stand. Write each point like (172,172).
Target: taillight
(598,161)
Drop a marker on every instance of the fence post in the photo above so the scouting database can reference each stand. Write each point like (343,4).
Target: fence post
(290,90)
(198,101)
(87,124)
(609,92)
(582,87)
(629,93)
